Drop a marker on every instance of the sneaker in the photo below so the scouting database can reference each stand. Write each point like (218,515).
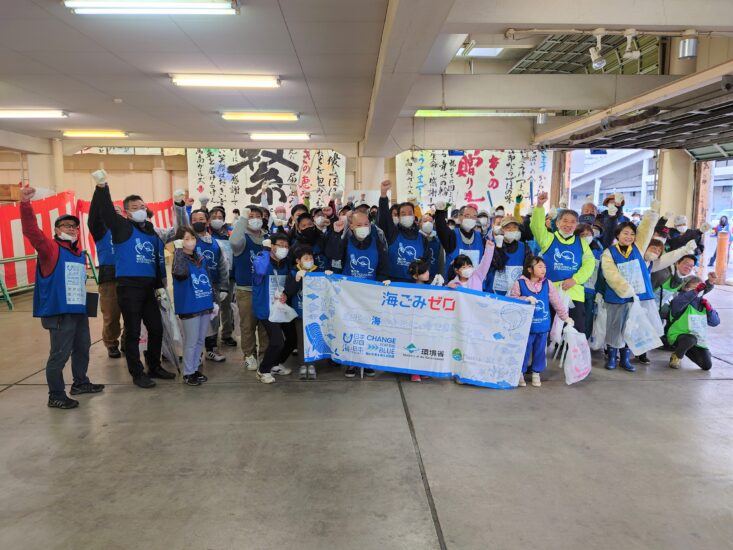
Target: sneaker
(214,355)
(65,403)
(415,378)
(674,361)
(231,342)
(114,352)
(143,381)
(522,381)
(200,376)
(280,370)
(161,373)
(265,377)
(191,380)
(536,382)
(458,381)
(643,359)
(312,372)
(250,363)
(303,372)
(294,352)
(370,372)
(350,372)
(86,388)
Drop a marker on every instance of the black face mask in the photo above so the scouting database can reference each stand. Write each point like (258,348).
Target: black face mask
(199,227)
(310,235)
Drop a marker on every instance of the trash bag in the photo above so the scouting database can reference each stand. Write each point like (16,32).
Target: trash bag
(598,337)
(557,323)
(639,333)
(281,313)
(576,358)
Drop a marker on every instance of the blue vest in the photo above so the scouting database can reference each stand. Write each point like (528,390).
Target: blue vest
(136,256)
(434,246)
(475,250)
(211,252)
(501,281)
(625,264)
(105,250)
(264,292)
(402,252)
(243,267)
(541,318)
(362,264)
(64,290)
(194,294)
(563,260)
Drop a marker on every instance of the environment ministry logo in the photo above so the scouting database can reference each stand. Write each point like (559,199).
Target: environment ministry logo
(457,355)
(412,348)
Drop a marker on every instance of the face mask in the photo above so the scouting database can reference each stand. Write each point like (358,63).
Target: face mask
(587,218)
(280,215)
(199,227)
(319,220)
(255,224)
(565,235)
(588,239)
(307,264)
(362,232)
(468,224)
(216,224)
(427,228)
(189,245)
(281,253)
(596,233)
(499,213)
(635,221)
(407,221)
(66,237)
(395,220)
(466,272)
(651,256)
(512,236)
(138,216)
(310,234)
(484,222)
(682,228)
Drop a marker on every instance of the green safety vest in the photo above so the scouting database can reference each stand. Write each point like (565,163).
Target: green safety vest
(692,321)
(666,292)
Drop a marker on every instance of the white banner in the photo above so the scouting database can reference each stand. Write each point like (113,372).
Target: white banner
(482,177)
(234,178)
(416,329)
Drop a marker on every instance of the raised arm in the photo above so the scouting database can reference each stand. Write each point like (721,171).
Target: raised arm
(384,220)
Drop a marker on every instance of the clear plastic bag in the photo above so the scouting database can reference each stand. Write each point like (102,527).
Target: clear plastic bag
(576,357)
(281,313)
(639,333)
(598,337)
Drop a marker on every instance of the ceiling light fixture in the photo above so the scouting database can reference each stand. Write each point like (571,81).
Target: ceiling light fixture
(596,58)
(110,134)
(541,117)
(688,45)
(632,51)
(151,7)
(259,116)
(226,80)
(473,113)
(278,137)
(32,113)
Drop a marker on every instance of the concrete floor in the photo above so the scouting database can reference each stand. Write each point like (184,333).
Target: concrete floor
(619,461)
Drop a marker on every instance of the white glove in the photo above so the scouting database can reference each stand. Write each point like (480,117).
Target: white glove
(438,280)
(161,294)
(100,176)
(499,240)
(267,243)
(299,275)
(440,205)
(570,322)
(178,243)
(223,296)
(656,205)
(204,200)
(669,215)
(264,187)
(350,197)
(618,198)
(214,312)
(612,209)
(412,199)
(553,213)
(387,282)
(339,193)
(705,227)
(245,214)
(563,201)
(179,195)
(532,300)
(279,223)
(690,246)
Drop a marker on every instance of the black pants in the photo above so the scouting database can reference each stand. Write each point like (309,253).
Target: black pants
(687,345)
(577,314)
(282,340)
(138,305)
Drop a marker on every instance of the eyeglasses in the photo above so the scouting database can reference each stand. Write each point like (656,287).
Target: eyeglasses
(67,226)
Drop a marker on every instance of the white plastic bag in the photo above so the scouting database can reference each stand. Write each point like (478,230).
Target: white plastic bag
(576,358)
(281,313)
(639,333)
(557,323)
(598,337)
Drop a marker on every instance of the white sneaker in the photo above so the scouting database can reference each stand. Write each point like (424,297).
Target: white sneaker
(303,372)
(536,382)
(265,378)
(215,356)
(280,370)
(312,372)
(250,363)
(522,381)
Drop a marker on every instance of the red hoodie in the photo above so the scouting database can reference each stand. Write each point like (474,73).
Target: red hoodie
(47,248)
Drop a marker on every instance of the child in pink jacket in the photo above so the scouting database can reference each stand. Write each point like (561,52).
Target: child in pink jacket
(466,275)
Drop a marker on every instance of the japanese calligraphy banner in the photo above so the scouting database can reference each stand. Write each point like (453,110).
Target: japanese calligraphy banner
(235,178)
(416,329)
(482,177)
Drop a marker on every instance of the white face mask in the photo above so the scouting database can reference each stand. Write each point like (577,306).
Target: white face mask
(682,228)
(484,221)
(466,272)
(216,224)
(189,244)
(427,227)
(467,224)
(308,264)
(511,236)
(395,220)
(362,232)
(319,220)
(588,239)
(565,235)
(407,221)
(499,213)
(651,256)
(255,224)
(67,237)
(281,253)
(138,216)
(280,215)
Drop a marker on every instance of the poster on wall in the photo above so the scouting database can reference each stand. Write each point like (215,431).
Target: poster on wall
(235,178)
(486,178)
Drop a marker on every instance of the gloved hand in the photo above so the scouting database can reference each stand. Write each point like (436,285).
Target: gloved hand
(264,187)
(518,199)
(339,193)
(553,213)
(700,287)
(440,205)
(214,312)
(223,296)
(27,193)
(204,200)
(438,280)
(656,205)
(350,197)
(706,305)
(669,215)
(690,247)
(299,275)
(612,209)
(499,240)
(563,201)
(387,282)
(179,195)
(618,198)
(328,272)
(178,243)
(279,223)
(412,199)
(245,214)
(100,176)
(267,243)
(161,295)
(705,227)
(570,322)
(532,300)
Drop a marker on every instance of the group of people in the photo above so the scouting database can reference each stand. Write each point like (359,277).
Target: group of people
(566,263)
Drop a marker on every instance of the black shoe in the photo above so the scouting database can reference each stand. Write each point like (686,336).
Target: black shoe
(231,342)
(114,352)
(643,359)
(161,373)
(65,403)
(350,372)
(200,376)
(86,388)
(370,372)
(191,380)
(143,381)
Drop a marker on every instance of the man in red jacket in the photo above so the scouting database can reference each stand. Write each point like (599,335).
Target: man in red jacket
(59,299)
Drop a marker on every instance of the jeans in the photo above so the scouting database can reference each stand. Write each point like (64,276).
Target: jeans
(69,337)
(194,332)
(282,342)
(686,344)
(138,305)
(536,350)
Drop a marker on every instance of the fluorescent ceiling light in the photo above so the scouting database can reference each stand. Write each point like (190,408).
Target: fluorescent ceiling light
(278,137)
(472,113)
(32,113)
(259,116)
(95,134)
(479,52)
(226,80)
(152,7)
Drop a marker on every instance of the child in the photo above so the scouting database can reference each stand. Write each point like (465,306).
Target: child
(690,316)
(534,288)
(466,275)
(194,302)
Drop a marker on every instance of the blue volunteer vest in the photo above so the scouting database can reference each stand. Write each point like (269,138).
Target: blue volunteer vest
(609,295)
(194,294)
(402,252)
(243,268)
(211,252)
(501,281)
(64,290)
(541,318)
(563,260)
(362,264)
(434,246)
(263,293)
(105,250)
(470,250)
(136,256)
